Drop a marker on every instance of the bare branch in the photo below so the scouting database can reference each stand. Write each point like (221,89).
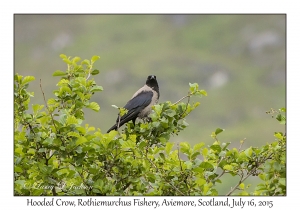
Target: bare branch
(47,105)
(237,185)
(220,175)
(249,174)
(187,96)
(179,157)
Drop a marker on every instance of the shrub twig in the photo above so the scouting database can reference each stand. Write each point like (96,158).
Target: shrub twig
(47,105)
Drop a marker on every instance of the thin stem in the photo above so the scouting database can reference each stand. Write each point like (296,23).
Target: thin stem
(179,157)
(221,174)
(249,174)
(236,186)
(187,96)
(242,144)
(89,73)
(47,105)
(157,169)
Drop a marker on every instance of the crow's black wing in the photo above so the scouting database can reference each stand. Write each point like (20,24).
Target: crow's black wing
(139,102)
(134,107)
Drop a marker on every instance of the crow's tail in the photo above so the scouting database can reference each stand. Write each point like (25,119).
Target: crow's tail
(112,128)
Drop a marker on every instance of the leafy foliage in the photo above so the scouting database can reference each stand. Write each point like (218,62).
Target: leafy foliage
(55,154)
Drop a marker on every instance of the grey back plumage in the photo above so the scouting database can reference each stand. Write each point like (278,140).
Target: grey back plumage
(140,104)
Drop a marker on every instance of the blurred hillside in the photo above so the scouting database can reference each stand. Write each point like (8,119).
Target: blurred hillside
(240,60)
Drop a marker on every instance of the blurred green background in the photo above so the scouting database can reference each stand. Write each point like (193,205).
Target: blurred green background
(240,60)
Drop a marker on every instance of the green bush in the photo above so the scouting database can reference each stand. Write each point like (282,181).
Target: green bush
(55,154)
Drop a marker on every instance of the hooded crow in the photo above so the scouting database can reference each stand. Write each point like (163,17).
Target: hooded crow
(139,106)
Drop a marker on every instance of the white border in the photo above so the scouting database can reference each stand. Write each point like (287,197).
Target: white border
(154,6)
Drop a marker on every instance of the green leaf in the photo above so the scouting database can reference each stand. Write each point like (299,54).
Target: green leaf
(206,189)
(242,157)
(18,169)
(162,156)
(59,73)
(158,109)
(19,150)
(244,193)
(282,109)
(67,61)
(63,56)
(31,94)
(73,134)
(206,165)
(28,79)
(94,58)
(200,181)
(96,88)
(81,140)
(63,171)
(95,72)
(71,120)
(79,149)
(128,144)
(204,152)
(18,78)
(193,87)
(242,186)
(185,123)
(219,130)
(86,62)
(198,146)
(155,124)
(48,141)
(262,176)
(277,166)
(81,130)
(185,148)
(76,59)
(63,82)
(278,117)
(170,113)
(123,111)
(248,152)
(203,92)
(65,89)
(194,155)
(169,147)
(51,101)
(94,106)
(142,145)
(20,182)
(36,108)
(196,104)
(278,135)
(216,148)
(132,138)
(31,151)
(282,181)
(228,167)
(225,145)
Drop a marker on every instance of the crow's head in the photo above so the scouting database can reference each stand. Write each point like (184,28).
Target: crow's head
(151,81)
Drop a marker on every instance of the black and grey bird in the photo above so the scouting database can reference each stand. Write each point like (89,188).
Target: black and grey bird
(139,106)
